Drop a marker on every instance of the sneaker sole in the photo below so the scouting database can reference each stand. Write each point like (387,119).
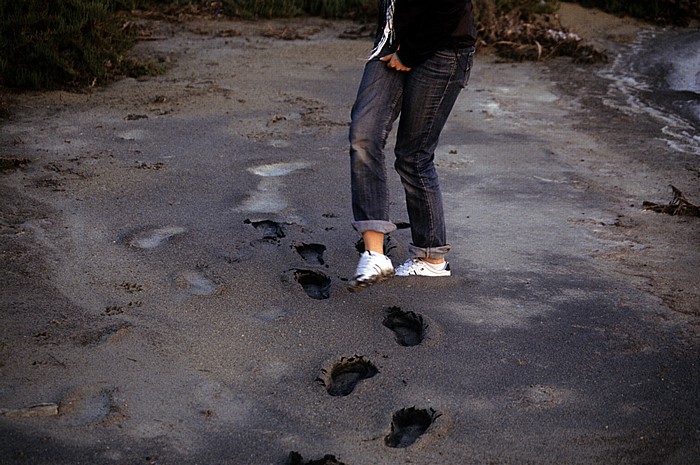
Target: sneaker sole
(357,286)
(424,275)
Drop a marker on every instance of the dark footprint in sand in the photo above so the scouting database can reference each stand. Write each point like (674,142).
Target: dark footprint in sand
(270,230)
(316,285)
(295,458)
(407,425)
(346,374)
(408,327)
(312,253)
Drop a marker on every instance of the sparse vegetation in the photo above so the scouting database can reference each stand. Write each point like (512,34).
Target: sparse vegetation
(48,44)
(286,8)
(527,30)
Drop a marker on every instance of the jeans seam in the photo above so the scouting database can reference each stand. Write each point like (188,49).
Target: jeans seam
(455,65)
(387,127)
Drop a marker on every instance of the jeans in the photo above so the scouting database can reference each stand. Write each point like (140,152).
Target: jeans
(424,98)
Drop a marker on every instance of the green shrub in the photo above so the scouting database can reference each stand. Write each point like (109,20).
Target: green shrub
(51,44)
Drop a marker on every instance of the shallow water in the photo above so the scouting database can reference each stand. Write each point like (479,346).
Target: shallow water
(659,74)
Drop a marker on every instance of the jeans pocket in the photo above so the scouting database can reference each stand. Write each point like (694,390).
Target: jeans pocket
(466,61)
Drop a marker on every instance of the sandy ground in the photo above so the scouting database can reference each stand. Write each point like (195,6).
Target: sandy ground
(175,252)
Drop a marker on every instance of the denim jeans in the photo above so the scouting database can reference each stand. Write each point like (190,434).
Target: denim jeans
(424,98)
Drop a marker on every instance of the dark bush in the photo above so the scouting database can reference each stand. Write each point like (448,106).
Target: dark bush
(287,8)
(51,44)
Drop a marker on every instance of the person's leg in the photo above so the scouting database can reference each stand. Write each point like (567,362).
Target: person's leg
(373,240)
(376,108)
(429,95)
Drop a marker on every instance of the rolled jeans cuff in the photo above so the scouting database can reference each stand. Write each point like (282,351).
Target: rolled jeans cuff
(428,252)
(380,226)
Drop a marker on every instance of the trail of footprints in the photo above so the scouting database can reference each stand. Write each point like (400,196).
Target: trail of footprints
(342,378)
(315,284)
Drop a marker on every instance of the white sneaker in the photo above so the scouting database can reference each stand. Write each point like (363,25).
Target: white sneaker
(372,268)
(419,267)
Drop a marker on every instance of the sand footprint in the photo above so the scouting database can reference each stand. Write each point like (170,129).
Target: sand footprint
(316,284)
(345,375)
(408,327)
(541,397)
(295,458)
(269,196)
(152,238)
(106,335)
(196,283)
(91,405)
(311,253)
(407,425)
(270,230)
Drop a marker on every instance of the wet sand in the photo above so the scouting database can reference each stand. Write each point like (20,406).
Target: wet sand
(175,253)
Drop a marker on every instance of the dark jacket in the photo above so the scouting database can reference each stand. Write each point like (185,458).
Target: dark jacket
(423,27)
